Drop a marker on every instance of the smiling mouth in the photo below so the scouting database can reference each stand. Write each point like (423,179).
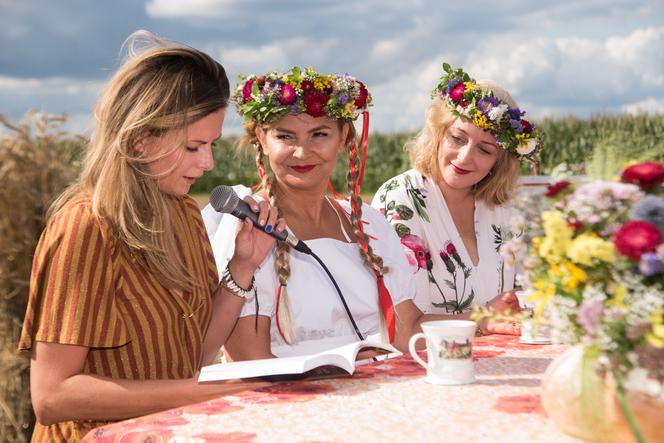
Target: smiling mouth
(459,170)
(303,168)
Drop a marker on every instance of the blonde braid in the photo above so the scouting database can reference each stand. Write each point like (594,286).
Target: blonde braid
(374,261)
(283,271)
(282,251)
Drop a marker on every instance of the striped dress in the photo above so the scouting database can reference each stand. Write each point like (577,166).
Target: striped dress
(86,290)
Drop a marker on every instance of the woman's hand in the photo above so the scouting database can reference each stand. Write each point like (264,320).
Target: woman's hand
(251,244)
(504,303)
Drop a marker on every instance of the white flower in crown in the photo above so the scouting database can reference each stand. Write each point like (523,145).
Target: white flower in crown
(496,113)
(527,148)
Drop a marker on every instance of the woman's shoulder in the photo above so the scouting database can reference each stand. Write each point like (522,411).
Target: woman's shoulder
(410,177)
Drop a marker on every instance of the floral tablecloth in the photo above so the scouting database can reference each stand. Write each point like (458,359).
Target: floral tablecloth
(384,401)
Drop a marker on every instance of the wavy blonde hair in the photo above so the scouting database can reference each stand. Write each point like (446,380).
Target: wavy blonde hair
(494,189)
(282,253)
(162,86)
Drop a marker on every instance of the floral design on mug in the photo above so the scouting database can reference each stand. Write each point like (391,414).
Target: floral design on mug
(453,350)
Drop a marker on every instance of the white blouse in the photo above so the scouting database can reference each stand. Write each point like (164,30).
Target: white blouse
(445,277)
(319,318)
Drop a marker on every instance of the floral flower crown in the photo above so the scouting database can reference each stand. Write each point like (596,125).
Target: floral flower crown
(479,105)
(269,97)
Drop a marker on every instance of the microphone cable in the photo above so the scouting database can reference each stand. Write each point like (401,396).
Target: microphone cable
(341,296)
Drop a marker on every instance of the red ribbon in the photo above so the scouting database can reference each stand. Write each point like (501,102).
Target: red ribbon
(386,306)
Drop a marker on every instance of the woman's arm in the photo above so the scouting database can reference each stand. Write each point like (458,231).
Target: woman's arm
(251,248)
(247,343)
(60,391)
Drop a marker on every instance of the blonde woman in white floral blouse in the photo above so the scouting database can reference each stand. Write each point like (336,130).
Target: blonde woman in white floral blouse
(451,210)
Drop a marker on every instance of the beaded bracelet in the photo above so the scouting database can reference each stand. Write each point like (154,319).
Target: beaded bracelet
(229,282)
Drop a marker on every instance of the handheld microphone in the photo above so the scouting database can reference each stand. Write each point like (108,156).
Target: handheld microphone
(224,199)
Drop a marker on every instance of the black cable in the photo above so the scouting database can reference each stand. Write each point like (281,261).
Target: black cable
(343,300)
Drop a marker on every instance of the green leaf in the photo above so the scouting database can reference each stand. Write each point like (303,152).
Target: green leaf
(447,67)
(401,229)
(404,212)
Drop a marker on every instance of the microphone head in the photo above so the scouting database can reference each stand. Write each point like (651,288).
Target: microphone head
(224,199)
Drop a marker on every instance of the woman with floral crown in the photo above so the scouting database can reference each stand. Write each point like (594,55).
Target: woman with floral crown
(451,210)
(301,121)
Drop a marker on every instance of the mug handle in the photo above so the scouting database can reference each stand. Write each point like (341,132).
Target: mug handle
(413,352)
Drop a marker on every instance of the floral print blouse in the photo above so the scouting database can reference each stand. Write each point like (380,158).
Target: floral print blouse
(445,277)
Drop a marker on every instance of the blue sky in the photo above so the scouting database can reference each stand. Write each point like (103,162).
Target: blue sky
(564,57)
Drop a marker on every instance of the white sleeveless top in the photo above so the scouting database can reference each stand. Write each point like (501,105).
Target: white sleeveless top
(319,318)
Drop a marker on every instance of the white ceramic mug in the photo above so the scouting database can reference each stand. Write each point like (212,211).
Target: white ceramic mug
(449,351)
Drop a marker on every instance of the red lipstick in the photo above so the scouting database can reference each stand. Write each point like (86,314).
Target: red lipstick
(303,168)
(459,171)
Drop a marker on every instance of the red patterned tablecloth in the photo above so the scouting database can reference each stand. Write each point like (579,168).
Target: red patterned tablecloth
(384,401)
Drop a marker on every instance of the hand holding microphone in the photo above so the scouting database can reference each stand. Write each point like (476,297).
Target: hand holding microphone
(224,199)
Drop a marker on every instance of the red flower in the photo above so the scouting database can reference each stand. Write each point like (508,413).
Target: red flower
(287,96)
(527,126)
(314,103)
(450,248)
(637,237)
(557,188)
(647,174)
(575,225)
(306,86)
(361,99)
(456,94)
(246,90)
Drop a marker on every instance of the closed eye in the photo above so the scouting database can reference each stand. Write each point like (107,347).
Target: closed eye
(192,149)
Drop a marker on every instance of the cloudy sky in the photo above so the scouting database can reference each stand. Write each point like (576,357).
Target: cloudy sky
(564,57)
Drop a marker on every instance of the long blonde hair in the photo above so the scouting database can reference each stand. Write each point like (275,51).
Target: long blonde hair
(494,189)
(282,252)
(162,86)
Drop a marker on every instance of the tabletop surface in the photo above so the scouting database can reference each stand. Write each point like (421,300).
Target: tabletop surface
(384,401)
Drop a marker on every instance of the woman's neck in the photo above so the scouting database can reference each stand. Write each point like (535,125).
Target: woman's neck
(455,196)
(302,205)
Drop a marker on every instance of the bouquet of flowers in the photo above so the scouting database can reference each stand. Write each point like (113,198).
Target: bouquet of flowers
(595,257)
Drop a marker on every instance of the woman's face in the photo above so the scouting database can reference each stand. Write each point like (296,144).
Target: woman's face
(181,167)
(466,155)
(303,150)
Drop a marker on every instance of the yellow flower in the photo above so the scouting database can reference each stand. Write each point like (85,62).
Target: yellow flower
(321,83)
(656,337)
(557,236)
(543,294)
(481,121)
(470,86)
(574,276)
(618,299)
(586,248)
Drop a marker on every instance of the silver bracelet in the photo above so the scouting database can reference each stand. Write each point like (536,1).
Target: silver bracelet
(229,282)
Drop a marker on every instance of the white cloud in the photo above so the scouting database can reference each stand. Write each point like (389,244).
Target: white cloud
(190,8)
(647,106)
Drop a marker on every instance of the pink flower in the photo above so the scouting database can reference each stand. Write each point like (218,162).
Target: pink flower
(637,237)
(449,248)
(246,91)
(415,244)
(456,94)
(287,96)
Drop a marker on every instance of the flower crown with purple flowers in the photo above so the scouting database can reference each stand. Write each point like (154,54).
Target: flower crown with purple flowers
(468,99)
(269,97)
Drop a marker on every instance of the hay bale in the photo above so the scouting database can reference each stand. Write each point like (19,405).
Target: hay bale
(37,162)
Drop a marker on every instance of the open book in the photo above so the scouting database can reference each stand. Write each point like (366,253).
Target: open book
(342,357)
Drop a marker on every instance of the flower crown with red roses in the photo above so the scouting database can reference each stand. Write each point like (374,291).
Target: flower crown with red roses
(481,107)
(269,97)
